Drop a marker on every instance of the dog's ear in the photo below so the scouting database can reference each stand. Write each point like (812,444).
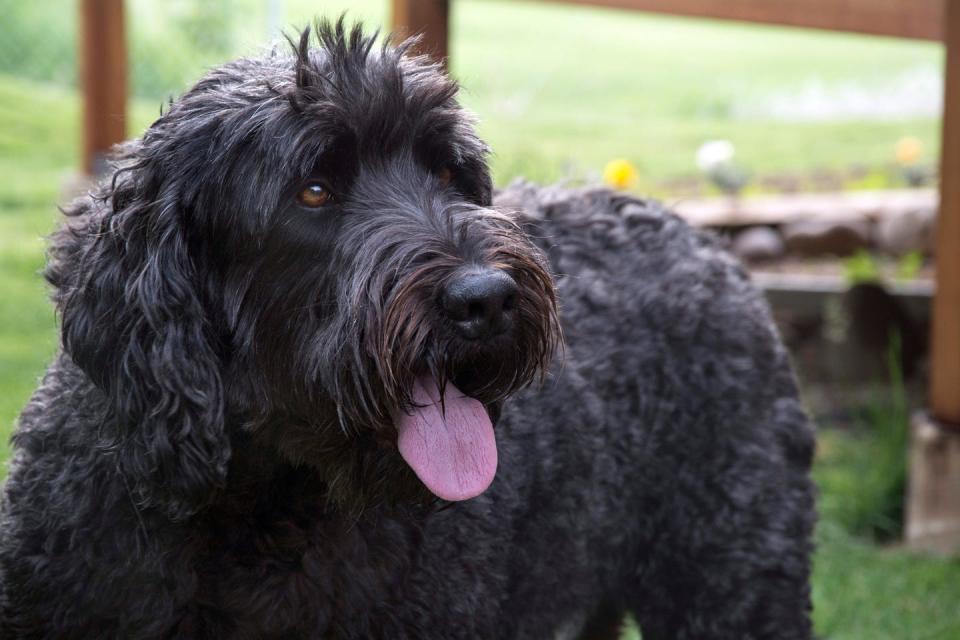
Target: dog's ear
(133,319)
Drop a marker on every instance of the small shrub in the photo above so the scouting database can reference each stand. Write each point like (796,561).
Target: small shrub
(862,475)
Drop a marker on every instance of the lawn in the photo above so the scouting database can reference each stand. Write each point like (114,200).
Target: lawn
(560,91)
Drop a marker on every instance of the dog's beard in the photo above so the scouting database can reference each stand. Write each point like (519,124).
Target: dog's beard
(444,431)
(381,397)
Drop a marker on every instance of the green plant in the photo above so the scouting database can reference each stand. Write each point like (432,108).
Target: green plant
(909,265)
(861,267)
(864,267)
(863,478)
(874,180)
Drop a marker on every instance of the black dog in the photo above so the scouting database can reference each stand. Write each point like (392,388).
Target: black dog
(296,339)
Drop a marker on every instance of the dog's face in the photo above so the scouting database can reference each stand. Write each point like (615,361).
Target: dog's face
(304,246)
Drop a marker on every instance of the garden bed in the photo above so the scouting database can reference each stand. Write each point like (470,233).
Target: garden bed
(849,278)
(768,228)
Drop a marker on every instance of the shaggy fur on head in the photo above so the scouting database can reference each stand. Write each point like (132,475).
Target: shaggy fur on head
(213,453)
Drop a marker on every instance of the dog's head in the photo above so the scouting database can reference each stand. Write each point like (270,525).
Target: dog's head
(303,247)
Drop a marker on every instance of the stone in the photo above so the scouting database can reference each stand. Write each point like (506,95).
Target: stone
(841,236)
(758,244)
(933,502)
(905,231)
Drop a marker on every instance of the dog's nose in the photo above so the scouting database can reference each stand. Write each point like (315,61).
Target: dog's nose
(480,303)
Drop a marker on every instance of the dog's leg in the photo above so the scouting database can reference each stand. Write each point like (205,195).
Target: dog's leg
(737,576)
(782,617)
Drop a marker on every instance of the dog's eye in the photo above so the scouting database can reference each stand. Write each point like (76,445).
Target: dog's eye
(445,176)
(314,195)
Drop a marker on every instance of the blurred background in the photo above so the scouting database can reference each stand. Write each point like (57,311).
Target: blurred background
(813,154)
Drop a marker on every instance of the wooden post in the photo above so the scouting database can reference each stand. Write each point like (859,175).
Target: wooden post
(933,503)
(945,371)
(428,17)
(103,80)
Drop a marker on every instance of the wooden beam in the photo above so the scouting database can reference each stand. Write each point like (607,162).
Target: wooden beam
(866,207)
(428,17)
(945,363)
(103,80)
(933,501)
(921,19)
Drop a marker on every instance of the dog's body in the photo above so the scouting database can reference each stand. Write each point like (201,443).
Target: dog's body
(175,480)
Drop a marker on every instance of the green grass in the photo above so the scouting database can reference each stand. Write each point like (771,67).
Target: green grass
(561,90)
(36,146)
(587,86)
(558,100)
(862,590)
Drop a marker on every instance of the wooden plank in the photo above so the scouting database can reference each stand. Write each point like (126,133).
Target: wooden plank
(921,19)
(806,294)
(103,79)
(431,18)
(868,206)
(945,363)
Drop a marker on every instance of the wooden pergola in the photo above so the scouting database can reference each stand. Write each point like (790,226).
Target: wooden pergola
(934,501)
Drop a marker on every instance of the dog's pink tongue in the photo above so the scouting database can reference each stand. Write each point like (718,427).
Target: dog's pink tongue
(451,448)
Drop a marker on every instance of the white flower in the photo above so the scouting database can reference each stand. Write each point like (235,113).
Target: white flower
(714,154)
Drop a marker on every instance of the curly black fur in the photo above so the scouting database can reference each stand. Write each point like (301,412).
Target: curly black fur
(212,453)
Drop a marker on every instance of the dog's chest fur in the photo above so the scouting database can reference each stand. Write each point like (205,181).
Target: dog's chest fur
(282,576)
(279,564)
(275,559)
(285,566)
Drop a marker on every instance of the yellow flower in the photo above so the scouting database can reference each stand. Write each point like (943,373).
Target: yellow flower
(620,174)
(908,151)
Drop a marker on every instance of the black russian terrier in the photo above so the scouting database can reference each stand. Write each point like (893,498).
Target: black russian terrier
(294,394)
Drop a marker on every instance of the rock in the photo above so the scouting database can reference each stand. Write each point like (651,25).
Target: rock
(758,244)
(837,236)
(906,231)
